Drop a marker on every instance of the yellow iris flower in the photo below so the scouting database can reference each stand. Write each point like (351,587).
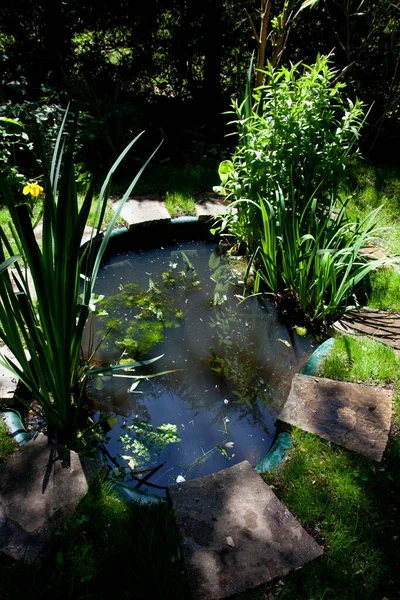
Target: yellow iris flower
(34,189)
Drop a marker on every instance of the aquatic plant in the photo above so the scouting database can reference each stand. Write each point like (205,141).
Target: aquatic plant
(42,322)
(137,318)
(144,442)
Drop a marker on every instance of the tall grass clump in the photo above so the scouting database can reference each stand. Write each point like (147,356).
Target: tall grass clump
(295,135)
(43,325)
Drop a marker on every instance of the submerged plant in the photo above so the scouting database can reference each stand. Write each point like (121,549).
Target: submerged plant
(137,318)
(45,334)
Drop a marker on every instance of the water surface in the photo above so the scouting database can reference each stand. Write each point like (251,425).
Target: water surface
(235,360)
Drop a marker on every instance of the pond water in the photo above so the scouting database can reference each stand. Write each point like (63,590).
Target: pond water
(233,362)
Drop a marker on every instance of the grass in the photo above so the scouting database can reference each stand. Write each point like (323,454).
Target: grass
(107,549)
(179,204)
(373,186)
(347,502)
(7,443)
(362,360)
(385,290)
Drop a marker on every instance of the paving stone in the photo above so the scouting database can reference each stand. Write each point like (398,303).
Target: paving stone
(40,483)
(143,209)
(8,381)
(352,415)
(208,205)
(382,325)
(235,533)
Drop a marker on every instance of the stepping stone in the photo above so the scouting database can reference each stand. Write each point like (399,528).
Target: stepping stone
(352,415)
(208,206)
(143,209)
(40,483)
(235,533)
(8,381)
(381,325)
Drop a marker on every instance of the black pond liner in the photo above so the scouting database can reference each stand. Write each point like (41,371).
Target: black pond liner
(150,236)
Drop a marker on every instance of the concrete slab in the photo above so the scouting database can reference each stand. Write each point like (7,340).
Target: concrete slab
(208,205)
(40,483)
(352,415)
(384,326)
(142,209)
(235,533)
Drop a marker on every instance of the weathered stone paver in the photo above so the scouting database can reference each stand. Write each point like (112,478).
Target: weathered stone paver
(235,533)
(39,484)
(8,381)
(143,209)
(352,415)
(208,205)
(384,326)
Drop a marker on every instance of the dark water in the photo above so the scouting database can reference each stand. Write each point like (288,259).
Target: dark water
(236,364)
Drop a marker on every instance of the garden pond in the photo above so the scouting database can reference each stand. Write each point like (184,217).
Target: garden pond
(231,363)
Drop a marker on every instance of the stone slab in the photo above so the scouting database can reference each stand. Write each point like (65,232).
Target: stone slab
(382,325)
(352,415)
(8,381)
(235,533)
(143,209)
(208,205)
(40,483)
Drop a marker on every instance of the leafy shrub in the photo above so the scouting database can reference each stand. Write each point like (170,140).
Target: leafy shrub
(297,134)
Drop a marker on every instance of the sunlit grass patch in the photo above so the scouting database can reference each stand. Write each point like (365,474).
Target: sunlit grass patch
(385,289)
(361,359)
(179,204)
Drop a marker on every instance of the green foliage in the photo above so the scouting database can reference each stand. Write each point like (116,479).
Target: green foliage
(13,140)
(51,328)
(298,136)
(313,256)
(7,443)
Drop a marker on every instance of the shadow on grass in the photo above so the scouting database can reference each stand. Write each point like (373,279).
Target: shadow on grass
(108,549)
